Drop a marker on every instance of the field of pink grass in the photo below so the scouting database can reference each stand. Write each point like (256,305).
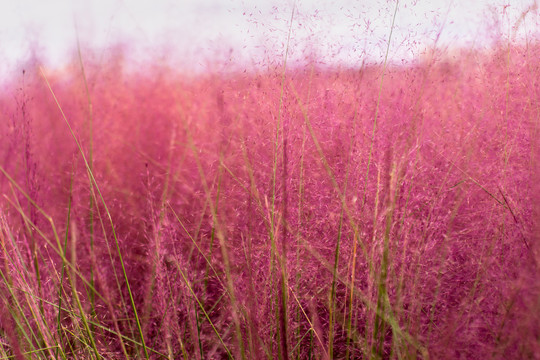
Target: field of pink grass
(372,213)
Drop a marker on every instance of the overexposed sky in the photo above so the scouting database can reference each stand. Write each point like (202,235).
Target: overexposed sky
(200,33)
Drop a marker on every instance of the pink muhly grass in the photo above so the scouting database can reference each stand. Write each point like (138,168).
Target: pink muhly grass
(151,215)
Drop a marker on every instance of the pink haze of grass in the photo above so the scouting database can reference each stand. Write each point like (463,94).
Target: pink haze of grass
(273,215)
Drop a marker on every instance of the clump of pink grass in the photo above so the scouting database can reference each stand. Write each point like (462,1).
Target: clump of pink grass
(150,215)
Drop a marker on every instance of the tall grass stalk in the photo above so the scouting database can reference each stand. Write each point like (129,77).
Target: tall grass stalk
(90,124)
(376,116)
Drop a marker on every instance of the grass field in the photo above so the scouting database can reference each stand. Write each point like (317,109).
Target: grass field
(381,212)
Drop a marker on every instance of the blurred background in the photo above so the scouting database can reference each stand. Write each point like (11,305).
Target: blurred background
(197,35)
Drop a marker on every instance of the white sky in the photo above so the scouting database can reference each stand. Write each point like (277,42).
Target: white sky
(194,31)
